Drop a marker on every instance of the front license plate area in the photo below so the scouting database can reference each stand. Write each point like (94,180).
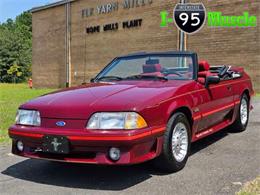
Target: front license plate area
(55,144)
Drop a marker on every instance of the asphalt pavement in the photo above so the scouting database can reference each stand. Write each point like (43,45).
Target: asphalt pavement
(219,164)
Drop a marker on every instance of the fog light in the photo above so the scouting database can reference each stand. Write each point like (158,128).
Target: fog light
(20,146)
(114,154)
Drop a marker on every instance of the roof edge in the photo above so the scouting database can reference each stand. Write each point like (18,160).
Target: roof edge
(58,3)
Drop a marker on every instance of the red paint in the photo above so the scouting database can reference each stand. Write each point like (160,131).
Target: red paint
(217,110)
(116,138)
(156,101)
(25,134)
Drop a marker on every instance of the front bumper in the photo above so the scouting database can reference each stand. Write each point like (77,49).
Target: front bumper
(136,146)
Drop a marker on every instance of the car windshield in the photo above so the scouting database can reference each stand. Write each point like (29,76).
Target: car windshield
(167,67)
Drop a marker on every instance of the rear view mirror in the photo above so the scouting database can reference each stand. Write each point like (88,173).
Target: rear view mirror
(212,80)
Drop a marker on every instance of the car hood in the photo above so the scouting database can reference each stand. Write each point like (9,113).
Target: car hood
(81,102)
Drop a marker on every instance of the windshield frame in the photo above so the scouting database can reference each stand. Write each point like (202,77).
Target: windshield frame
(141,55)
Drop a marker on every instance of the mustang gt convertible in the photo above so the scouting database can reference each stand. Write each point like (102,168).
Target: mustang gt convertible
(139,107)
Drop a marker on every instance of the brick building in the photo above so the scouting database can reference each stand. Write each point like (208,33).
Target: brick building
(74,39)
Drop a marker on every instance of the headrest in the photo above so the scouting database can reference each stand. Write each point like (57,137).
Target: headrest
(149,68)
(203,65)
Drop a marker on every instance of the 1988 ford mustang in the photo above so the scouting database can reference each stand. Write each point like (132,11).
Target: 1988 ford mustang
(139,107)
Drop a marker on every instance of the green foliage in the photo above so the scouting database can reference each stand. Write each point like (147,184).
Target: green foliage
(15,72)
(16,49)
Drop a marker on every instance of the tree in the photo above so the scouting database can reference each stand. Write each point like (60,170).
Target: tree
(15,72)
(16,48)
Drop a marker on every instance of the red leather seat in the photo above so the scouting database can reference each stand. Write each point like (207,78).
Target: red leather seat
(203,71)
(203,66)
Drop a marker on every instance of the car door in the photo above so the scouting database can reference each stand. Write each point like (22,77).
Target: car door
(217,103)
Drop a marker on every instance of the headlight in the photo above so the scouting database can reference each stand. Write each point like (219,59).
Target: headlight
(28,117)
(116,120)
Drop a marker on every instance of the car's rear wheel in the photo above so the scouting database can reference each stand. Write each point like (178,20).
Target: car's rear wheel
(176,146)
(241,121)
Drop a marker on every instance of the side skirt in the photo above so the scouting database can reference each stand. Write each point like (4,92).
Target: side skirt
(211,130)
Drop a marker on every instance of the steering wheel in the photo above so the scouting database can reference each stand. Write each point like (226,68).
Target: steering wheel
(176,73)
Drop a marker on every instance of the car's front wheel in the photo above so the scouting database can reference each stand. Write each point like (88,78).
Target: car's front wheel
(176,144)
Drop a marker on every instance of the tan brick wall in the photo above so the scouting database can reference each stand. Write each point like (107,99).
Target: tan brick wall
(104,46)
(217,45)
(48,67)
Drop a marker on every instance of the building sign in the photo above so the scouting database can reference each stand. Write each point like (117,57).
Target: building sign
(114,26)
(114,6)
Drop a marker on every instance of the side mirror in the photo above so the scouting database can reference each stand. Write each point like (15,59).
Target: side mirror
(92,80)
(212,80)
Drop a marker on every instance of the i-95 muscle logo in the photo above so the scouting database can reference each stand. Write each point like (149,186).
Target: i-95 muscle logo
(189,17)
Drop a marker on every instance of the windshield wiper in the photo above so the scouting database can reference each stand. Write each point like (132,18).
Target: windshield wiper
(147,77)
(110,78)
(134,77)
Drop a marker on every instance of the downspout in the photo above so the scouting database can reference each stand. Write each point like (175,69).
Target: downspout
(68,44)
(182,36)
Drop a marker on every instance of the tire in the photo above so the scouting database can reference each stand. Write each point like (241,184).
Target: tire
(241,121)
(169,160)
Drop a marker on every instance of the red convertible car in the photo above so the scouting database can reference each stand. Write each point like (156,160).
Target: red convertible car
(139,107)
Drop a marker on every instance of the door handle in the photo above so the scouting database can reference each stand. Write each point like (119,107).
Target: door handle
(229,87)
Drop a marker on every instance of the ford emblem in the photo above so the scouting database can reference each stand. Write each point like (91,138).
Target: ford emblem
(61,123)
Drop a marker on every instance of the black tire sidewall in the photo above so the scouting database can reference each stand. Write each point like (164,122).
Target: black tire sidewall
(237,126)
(243,127)
(167,146)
